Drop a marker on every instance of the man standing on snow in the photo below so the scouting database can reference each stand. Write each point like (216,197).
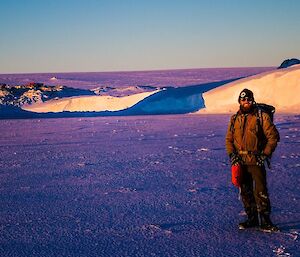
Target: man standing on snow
(250,141)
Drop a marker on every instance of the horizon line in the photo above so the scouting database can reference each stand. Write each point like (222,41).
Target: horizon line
(129,71)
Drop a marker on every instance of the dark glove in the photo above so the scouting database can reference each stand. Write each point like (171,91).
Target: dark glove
(260,159)
(235,159)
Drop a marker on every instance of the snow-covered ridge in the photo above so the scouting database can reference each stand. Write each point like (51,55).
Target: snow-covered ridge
(169,100)
(279,88)
(32,93)
(88,103)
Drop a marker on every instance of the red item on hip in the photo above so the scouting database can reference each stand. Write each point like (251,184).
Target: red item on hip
(236,175)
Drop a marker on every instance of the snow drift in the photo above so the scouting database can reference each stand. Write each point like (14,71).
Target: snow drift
(279,88)
(88,103)
(162,101)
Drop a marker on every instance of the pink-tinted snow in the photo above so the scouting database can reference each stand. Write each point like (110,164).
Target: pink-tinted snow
(90,80)
(137,186)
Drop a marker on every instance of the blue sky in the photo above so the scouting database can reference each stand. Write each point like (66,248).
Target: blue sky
(115,35)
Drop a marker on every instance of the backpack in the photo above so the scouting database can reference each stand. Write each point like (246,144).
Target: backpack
(269,109)
(266,108)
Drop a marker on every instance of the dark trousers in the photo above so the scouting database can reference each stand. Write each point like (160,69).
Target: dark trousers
(254,190)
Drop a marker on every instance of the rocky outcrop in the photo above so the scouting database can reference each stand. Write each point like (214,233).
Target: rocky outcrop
(288,62)
(31,93)
(36,93)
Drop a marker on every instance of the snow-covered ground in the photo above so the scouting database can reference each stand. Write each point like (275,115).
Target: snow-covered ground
(137,186)
(142,185)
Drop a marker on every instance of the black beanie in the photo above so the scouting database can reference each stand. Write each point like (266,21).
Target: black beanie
(246,93)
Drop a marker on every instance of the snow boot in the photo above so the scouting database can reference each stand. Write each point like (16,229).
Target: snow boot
(251,222)
(266,224)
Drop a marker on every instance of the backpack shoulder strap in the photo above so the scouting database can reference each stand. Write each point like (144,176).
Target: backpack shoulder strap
(259,119)
(233,119)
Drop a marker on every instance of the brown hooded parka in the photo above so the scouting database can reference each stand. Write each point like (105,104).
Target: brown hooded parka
(249,135)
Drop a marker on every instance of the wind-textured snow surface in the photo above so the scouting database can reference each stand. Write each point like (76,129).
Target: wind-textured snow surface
(137,186)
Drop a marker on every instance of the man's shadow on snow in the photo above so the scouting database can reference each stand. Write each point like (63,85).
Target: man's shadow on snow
(289,225)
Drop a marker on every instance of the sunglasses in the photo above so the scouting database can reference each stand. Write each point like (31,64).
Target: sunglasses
(249,100)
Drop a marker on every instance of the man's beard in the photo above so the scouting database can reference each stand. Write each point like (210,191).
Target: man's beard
(246,108)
